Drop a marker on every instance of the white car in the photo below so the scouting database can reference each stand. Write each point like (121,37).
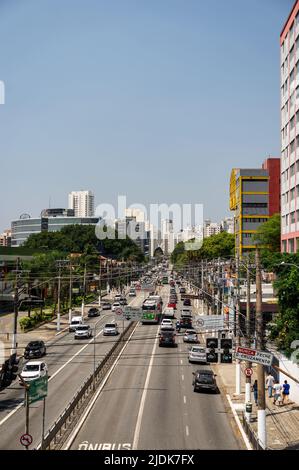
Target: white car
(186,312)
(110,329)
(198,354)
(75,322)
(115,306)
(190,336)
(132,292)
(34,370)
(117,297)
(166,322)
(83,331)
(168,312)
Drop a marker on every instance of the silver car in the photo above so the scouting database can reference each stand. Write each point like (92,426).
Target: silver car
(198,354)
(83,331)
(190,336)
(110,329)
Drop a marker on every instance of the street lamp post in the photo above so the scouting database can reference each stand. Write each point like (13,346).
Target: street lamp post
(94,355)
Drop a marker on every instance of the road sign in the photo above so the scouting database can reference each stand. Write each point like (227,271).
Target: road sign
(132,313)
(26,440)
(200,322)
(189,296)
(148,287)
(253,355)
(38,389)
(119,311)
(248,372)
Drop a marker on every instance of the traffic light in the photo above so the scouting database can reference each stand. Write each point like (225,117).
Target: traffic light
(10,370)
(226,345)
(211,353)
(5,375)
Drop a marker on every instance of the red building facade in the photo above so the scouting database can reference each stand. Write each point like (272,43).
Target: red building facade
(272,165)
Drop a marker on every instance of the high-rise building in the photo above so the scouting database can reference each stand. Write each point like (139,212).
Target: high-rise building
(5,238)
(168,236)
(227,225)
(82,202)
(211,228)
(289,88)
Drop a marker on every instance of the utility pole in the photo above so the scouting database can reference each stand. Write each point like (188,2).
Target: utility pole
(100,282)
(238,362)
(70,293)
(16,311)
(261,413)
(248,343)
(84,292)
(58,303)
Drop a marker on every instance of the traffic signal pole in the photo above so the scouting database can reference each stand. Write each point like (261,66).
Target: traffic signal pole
(261,413)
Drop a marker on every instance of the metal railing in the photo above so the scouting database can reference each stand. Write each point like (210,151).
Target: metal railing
(63,426)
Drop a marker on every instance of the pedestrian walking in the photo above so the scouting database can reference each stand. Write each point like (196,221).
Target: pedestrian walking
(269,384)
(254,389)
(277,392)
(285,392)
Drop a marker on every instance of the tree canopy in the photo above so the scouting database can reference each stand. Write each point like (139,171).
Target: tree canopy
(268,234)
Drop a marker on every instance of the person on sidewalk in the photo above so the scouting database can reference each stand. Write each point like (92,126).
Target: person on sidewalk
(277,392)
(254,389)
(269,384)
(285,392)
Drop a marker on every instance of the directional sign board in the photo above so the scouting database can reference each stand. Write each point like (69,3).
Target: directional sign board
(147,287)
(253,355)
(38,389)
(210,322)
(189,296)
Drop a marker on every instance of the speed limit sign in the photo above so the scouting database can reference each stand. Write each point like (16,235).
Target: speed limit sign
(248,372)
(119,311)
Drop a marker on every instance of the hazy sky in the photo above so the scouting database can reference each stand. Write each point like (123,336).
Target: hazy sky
(154,99)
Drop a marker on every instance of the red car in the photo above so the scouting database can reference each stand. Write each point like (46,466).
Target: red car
(172,305)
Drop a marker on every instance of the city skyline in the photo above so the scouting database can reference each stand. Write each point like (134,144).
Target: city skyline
(73,114)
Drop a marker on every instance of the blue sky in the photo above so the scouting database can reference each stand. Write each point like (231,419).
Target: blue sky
(154,99)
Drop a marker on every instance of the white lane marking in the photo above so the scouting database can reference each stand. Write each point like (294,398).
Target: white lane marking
(183,377)
(90,406)
(187,430)
(181,361)
(185,401)
(143,397)
(245,438)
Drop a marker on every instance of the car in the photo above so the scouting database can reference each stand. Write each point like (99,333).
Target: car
(117,297)
(34,370)
(197,354)
(186,323)
(187,302)
(106,306)
(110,329)
(35,349)
(204,380)
(75,322)
(171,305)
(190,336)
(168,313)
(182,290)
(166,321)
(93,312)
(123,301)
(115,306)
(186,312)
(132,292)
(167,338)
(83,331)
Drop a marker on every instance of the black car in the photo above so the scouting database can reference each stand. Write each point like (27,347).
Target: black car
(187,302)
(186,323)
(123,301)
(167,338)
(93,312)
(204,380)
(35,349)
(182,290)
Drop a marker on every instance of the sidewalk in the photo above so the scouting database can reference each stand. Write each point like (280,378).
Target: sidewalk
(282,422)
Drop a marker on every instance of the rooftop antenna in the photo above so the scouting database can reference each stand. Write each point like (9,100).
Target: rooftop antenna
(49,202)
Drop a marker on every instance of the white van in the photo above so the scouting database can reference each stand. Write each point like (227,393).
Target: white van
(75,321)
(168,312)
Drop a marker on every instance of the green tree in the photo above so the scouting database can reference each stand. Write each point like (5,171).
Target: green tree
(268,234)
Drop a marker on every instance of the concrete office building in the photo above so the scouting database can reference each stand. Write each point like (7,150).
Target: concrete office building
(5,238)
(211,228)
(289,88)
(82,202)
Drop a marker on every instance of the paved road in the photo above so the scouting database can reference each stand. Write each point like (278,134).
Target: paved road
(70,362)
(149,403)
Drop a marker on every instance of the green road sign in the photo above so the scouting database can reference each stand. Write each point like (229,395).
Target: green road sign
(38,389)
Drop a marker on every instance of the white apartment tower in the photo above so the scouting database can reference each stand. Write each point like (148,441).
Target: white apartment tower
(82,202)
(289,97)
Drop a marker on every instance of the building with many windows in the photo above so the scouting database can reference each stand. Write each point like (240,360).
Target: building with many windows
(51,220)
(5,238)
(249,196)
(82,202)
(289,96)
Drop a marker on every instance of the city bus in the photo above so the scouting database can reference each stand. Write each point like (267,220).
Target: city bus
(152,312)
